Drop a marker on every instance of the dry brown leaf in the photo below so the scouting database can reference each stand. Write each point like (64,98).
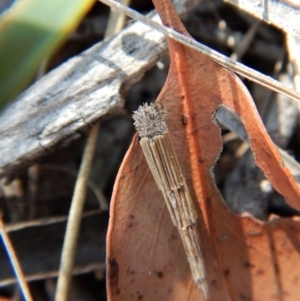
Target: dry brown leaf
(245,259)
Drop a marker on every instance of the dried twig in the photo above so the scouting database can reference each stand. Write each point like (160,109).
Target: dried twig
(240,69)
(162,160)
(48,234)
(77,94)
(15,263)
(73,225)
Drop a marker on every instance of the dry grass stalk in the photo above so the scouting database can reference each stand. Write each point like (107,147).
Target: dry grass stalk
(221,59)
(15,263)
(73,226)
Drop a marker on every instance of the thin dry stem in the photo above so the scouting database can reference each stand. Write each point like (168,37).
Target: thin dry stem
(73,225)
(74,219)
(239,68)
(15,263)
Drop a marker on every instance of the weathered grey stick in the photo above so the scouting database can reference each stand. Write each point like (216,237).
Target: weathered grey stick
(150,122)
(66,102)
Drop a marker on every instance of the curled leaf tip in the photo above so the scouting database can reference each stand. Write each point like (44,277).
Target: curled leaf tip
(150,120)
